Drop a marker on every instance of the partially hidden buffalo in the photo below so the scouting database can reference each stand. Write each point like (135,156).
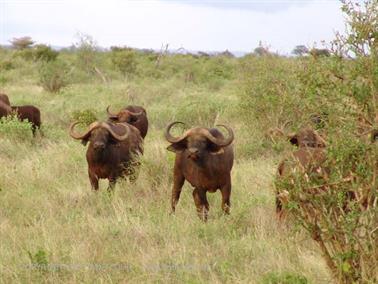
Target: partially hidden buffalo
(4,98)
(204,157)
(307,137)
(112,152)
(134,115)
(306,160)
(30,113)
(309,158)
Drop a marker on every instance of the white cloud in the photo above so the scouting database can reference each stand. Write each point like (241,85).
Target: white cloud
(148,24)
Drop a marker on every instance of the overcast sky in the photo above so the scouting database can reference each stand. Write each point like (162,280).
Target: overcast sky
(192,24)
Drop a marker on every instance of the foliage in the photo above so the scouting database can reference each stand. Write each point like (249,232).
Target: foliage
(338,205)
(300,50)
(86,53)
(6,65)
(318,52)
(124,59)
(13,128)
(86,116)
(26,54)
(22,42)
(54,75)
(44,53)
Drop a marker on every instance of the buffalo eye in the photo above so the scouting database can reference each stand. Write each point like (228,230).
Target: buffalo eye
(215,149)
(294,140)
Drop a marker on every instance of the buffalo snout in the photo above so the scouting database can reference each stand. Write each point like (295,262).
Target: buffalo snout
(98,145)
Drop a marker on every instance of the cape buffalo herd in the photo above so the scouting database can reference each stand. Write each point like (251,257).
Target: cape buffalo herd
(203,156)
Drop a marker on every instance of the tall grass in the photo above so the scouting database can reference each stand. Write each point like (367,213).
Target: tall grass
(54,229)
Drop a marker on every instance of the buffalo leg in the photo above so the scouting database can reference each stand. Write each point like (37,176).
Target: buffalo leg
(178,182)
(94,180)
(226,193)
(112,183)
(201,203)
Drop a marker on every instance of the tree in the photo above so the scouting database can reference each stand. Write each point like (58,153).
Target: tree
(86,52)
(300,50)
(22,42)
(261,51)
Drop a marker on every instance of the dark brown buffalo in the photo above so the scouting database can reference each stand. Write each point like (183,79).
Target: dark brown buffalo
(4,98)
(134,115)
(204,158)
(307,137)
(5,109)
(30,113)
(112,150)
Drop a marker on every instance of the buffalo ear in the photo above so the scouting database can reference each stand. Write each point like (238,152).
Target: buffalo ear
(84,142)
(215,149)
(293,140)
(177,147)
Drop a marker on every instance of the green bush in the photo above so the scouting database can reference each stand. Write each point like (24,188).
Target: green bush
(44,53)
(124,59)
(85,117)
(26,54)
(54,75)
(13,128)
(338,205)
(6,65)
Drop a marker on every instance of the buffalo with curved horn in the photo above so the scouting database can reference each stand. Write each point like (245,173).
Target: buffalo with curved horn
(134,115)
(112,150)
(204,157)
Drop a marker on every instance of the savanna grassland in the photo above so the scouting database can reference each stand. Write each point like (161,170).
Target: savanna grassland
(55,229)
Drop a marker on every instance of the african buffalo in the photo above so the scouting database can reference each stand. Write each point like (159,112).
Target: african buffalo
(112,150)
(134,115)
(307,160)
(4,98)
(30,113)
(204,158)
(307,137)
(309,156)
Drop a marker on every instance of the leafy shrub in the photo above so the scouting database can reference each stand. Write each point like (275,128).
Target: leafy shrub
(13,128)
(284,278)
(338,206)
(6,65)
(85,117)
(26,54)
(53,75)
(124,59)
(44,53)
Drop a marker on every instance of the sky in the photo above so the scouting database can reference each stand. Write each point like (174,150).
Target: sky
(190,24)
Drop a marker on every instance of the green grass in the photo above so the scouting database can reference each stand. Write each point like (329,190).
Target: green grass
(54,229)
